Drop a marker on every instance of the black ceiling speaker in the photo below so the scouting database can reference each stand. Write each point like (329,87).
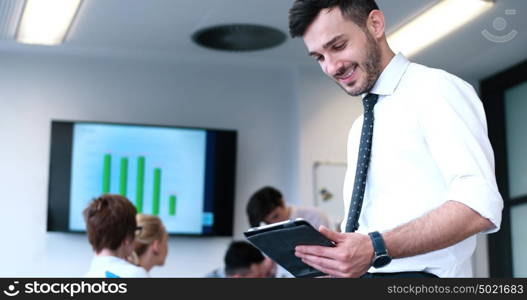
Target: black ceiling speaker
(239,37)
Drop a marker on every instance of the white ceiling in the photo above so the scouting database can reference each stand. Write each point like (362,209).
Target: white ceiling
(162,29)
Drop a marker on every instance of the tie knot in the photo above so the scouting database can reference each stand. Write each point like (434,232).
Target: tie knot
(369,102)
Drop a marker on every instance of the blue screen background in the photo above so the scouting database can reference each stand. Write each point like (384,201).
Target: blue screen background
(179,153)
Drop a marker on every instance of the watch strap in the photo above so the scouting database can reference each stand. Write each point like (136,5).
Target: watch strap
(378,243)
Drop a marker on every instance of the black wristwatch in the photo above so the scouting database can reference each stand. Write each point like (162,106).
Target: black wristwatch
(381,257)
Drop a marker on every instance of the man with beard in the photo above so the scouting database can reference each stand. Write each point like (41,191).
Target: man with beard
(420,182)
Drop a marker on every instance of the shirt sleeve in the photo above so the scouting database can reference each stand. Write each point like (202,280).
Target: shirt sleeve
(139,272)
(454,127)
(313,215)
(323,219)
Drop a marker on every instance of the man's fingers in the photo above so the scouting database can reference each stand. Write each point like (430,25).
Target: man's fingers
(330,234)
(322,266)
(324,262)
(321,250)
(332,268)
(314,250)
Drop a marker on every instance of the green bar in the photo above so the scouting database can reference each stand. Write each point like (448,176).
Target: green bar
(107,165)
(157,191)
(140,184)
(172,205)
(123,179)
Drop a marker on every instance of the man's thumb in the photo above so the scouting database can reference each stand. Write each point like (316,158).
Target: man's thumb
(330,234)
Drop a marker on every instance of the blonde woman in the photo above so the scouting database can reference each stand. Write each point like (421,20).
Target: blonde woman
(151,242)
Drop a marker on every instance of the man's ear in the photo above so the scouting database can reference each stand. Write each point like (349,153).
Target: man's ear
(155,246)
(127,241)
(375,23)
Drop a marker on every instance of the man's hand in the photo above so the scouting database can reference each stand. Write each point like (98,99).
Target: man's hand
(351,256)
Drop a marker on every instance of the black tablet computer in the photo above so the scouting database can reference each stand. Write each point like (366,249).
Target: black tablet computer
(278,242)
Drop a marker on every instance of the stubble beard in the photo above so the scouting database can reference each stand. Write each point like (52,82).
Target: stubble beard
(371,66)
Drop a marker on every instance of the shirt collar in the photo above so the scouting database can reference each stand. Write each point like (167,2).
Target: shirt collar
(390,76)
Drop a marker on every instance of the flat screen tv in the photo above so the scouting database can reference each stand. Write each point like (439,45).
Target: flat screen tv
(183,175)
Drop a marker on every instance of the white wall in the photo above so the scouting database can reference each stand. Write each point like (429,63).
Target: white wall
(256,101)
(325,114)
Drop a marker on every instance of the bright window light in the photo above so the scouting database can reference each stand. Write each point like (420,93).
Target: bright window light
(46,22)
(435,23)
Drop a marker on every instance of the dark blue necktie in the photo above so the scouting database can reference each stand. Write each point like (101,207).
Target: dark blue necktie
(363,161)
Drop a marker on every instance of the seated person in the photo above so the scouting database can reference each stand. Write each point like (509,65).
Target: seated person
(151,242)
(243,260)
(267,206)
(110,223)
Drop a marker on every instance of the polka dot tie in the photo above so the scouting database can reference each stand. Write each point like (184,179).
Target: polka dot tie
(363,161)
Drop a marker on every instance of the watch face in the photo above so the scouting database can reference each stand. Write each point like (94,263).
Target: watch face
(381,261)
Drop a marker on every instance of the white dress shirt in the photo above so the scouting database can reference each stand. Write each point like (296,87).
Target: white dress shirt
(314,216)
(430,145)
(111,266)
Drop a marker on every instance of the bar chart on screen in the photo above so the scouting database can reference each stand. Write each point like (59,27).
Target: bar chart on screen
(139,193)
(161,171)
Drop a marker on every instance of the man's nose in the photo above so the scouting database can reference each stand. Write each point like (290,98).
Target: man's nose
(334,67)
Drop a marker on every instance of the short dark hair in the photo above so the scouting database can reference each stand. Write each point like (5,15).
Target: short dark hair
(110,219)
(240,256)
(304,12)
(262,203)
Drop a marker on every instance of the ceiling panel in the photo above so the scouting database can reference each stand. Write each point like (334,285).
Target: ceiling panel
(162,29)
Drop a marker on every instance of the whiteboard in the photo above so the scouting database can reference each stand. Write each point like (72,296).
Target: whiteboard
(328,184)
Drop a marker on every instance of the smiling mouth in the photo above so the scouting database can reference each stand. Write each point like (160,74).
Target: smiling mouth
(348,76)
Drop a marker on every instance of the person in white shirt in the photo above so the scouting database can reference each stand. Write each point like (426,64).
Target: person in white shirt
(151,242)
(426,180)
(111,225)
(267,206)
